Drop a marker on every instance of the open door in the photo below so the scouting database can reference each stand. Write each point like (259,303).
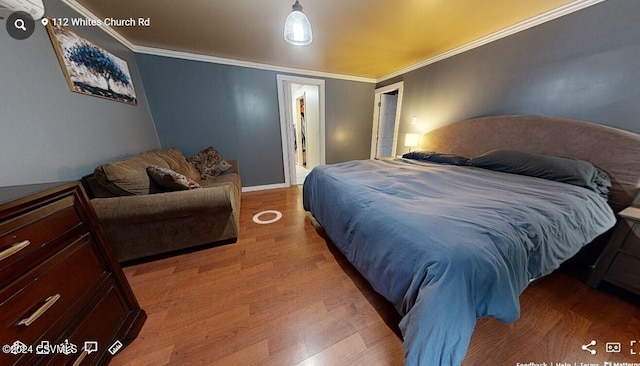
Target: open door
(386,121)
(302,127)
(387,124)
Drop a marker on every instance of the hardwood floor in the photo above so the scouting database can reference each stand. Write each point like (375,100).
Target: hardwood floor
(283,295)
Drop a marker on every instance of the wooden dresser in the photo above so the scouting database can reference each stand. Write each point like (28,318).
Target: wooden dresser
(64,299)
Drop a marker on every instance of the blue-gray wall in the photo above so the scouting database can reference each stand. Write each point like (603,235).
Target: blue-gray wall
(349,120)
(235,109)
(583,66)
(47,132)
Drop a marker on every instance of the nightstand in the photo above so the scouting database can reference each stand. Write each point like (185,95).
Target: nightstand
(619,263)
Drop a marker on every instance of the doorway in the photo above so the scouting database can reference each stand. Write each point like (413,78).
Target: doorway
(386,121)
(300,133)
(302,127)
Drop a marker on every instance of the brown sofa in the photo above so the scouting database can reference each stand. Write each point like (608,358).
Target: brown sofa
(142,220)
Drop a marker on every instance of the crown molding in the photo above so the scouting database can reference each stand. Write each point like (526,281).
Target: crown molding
(505,32)
(89,15)
(524,25)
(240,63)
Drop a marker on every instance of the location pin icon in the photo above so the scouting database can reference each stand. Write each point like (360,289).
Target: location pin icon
(44,21)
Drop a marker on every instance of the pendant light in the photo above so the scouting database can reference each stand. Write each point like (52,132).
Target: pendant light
(297,29)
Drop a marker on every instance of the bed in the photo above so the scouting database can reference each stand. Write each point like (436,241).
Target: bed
(450,243)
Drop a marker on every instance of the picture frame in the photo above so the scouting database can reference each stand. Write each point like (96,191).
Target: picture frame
(90,69)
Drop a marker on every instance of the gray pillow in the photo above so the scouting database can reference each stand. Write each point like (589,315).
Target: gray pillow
(571,171)
(436,157)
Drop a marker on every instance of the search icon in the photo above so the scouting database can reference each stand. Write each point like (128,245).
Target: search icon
(19,24)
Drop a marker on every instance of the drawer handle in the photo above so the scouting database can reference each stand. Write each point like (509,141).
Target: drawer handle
(15,248)
(43,309)
(80,358)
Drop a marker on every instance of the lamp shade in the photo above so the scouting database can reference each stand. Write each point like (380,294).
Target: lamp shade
(411,140)
(297,29)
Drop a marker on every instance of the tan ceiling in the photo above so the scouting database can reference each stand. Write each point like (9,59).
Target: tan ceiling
(365,38)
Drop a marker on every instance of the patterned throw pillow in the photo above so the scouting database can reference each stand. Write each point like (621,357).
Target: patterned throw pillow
(209,163)
(171,180)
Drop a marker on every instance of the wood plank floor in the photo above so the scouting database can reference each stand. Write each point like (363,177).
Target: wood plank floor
(283,295)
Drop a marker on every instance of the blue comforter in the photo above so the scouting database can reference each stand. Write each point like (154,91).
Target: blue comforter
(450,244)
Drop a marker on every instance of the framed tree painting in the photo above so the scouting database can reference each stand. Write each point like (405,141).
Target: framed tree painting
(90,69)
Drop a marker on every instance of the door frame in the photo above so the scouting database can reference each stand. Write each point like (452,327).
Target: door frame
(399,86)
(299,157)
(285,100)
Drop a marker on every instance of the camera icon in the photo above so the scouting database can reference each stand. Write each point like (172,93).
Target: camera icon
(613,347)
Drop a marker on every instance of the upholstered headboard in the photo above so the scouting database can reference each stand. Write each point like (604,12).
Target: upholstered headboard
(615,151)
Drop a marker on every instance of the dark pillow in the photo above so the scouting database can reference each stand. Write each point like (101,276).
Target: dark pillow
(209,163)
(171,180)
(571,171)
(436,157)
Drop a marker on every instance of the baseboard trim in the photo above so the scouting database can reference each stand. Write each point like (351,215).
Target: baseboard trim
(263,187)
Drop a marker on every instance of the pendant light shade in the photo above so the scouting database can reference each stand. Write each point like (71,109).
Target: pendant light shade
(297,29)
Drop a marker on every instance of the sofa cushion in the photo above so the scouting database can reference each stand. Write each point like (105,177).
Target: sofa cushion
(171,180)
(129,176)
(209,163)
(93,188)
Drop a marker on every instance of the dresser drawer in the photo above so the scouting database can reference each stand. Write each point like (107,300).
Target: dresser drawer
(625,272)
(100,326)
(31,231)
(41,303)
